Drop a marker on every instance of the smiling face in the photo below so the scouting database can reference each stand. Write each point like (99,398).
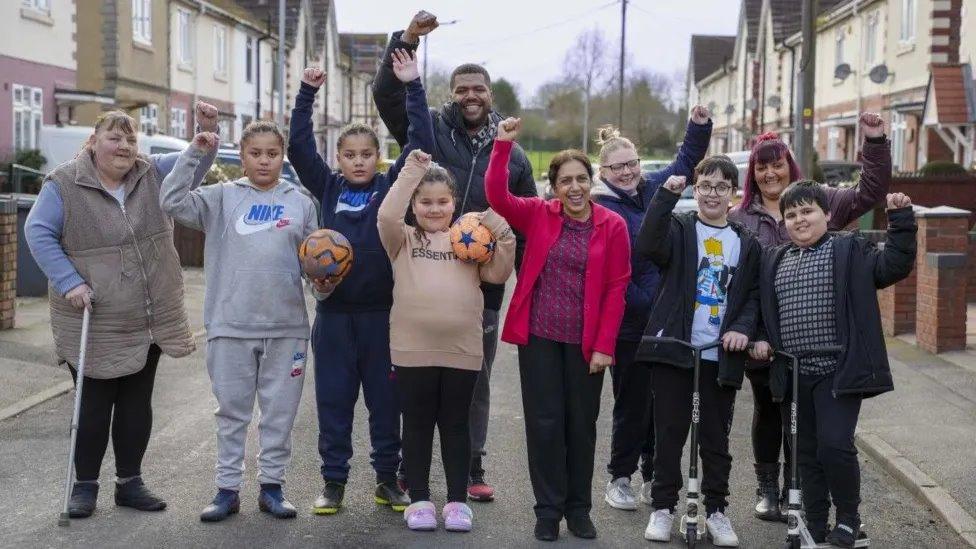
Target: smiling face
(713,192)
(262,157)
(433,206)
(357,158)
(772,177)
(621,168)
(806,223)
(473,94)
(114,151)
(572,189)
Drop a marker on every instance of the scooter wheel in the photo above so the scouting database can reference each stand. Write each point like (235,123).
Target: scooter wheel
(793,543)
(692,536)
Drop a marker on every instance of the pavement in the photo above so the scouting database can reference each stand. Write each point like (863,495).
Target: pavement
(918,481)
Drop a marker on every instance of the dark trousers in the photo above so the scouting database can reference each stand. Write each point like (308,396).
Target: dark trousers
(672,421)
(825,451)
(124,405)
(437,396)
(770,423)
(481,401)
(561,402)
(353,349)
(632,438)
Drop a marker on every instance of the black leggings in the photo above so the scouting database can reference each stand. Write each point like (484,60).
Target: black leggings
(125,405)
(770,422)
(436,396)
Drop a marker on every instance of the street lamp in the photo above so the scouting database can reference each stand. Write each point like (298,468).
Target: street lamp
(444,24)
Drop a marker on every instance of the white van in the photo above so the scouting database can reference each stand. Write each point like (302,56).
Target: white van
(59,144)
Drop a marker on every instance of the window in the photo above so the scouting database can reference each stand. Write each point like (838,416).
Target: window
(223,127)
(39,5)
(899,125)
(142,21)
(177,123)
(871,40)
(248,59)
(833,137)
(220,50)
(839,46)
(28,116)
(185,46)
(149,119)
(907,33)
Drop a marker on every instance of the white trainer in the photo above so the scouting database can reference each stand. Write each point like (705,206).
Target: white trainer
(659,525)
(645,493)
(619,495)
(720,530)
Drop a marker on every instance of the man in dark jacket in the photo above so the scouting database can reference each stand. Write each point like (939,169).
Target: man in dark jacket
(821,290)
(464,130)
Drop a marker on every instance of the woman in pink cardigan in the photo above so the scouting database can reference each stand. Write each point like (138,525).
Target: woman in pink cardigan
(564,316)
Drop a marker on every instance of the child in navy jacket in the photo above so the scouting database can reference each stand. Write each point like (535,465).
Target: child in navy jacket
(351,334)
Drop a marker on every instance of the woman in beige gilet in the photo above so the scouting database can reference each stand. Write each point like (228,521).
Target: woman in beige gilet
(98,233)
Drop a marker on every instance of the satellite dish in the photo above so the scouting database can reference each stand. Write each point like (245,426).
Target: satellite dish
(729,109)
(774,101)
(842,71)
(879,73)
(752,104)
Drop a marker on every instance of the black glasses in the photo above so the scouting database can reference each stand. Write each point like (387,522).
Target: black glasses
(617,168)
(718,190)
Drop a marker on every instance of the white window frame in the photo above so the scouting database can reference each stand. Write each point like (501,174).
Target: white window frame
(906,32)
(871,40)
(28,115)
(184,25)
(142,21)
(224,129)
(899,127)
(249,59)
(177,123)
(220,51)
(43,6)
(149,119)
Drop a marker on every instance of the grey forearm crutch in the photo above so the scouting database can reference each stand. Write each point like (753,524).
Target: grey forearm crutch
(65,520)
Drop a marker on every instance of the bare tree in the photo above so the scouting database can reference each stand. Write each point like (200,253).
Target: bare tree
(587,65)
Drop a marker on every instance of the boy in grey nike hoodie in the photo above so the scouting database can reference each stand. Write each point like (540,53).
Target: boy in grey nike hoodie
(254,308)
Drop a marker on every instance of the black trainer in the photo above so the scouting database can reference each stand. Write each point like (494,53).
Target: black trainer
(133,493)
(272,500)
(389,493)
(83,497)
(581,526)
(225,504)
(546,529)
(767,492)
(844,535)
(331,499)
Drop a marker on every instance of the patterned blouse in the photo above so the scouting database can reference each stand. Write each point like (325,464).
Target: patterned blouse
(557,299)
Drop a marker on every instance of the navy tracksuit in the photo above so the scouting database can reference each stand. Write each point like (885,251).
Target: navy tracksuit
(351,334)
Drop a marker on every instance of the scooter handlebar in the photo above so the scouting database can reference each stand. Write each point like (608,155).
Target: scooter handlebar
(683,343)
(806,353)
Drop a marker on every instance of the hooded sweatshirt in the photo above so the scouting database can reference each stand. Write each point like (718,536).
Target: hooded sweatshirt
(253,276)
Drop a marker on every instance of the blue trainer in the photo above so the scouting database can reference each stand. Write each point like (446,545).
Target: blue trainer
(225,504)
(272,500)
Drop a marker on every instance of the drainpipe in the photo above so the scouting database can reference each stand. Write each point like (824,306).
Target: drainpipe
(859,75)
(792,78)
(257,69)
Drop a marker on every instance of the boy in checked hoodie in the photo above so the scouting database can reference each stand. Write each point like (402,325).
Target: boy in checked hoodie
(254,309)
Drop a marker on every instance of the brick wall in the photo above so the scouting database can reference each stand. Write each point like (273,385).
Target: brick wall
(943,246)
(971,267)
(955,191)
(8,261)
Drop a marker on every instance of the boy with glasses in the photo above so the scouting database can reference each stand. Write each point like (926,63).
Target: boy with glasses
(709,292)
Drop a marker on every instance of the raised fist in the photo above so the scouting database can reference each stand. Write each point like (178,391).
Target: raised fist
(421,25)
(700,115)
(676,184)
(872,125)
(206,116)
(405,66)
(207,141)
(508,129)
(419,158)
(898,200)
(314,76)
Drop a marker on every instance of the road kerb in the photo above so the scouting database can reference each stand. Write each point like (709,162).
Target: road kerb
(920,484)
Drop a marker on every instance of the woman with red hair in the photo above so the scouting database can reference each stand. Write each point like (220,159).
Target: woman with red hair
(772,168)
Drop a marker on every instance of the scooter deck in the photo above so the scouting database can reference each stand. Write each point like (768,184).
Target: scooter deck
(866,542)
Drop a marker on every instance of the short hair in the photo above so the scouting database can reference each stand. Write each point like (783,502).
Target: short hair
(721,164)
(806,191)
(610,140)
(262,126)
(357,128)
(565,156)
(470,68)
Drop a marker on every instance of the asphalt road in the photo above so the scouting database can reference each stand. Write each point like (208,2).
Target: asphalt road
(180,461)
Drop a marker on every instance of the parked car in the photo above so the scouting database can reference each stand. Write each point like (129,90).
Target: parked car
(653,165)
(60,144)
(232,156)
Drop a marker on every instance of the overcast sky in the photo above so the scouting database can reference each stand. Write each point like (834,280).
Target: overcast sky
(525,40)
